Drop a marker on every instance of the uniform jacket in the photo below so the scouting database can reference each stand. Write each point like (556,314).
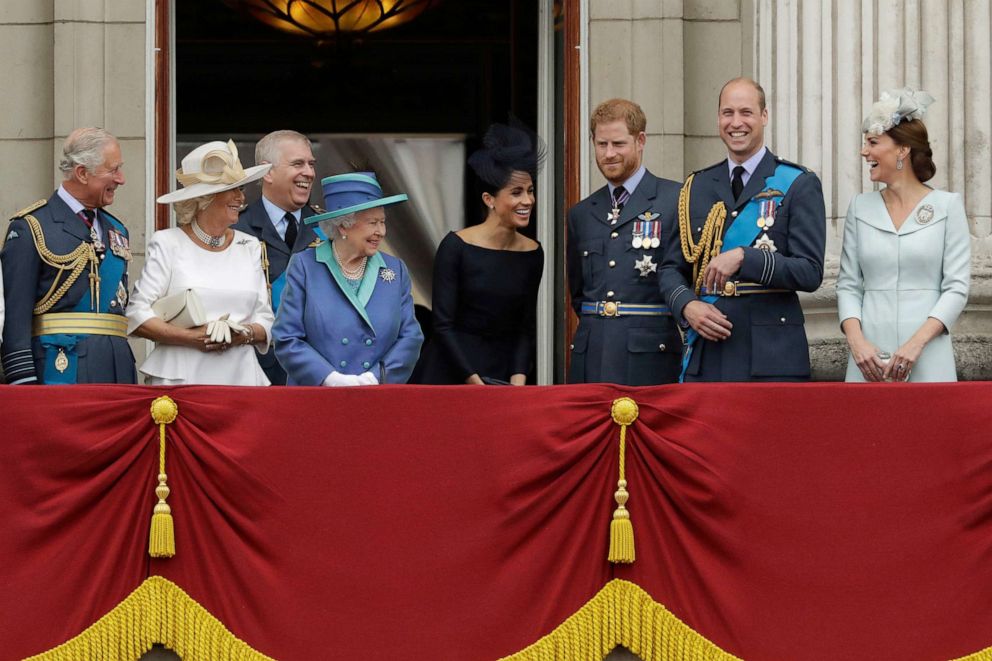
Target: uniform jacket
(893,280)
(601,267)
(255,220)
(320,329)
(768,340)
(101,358)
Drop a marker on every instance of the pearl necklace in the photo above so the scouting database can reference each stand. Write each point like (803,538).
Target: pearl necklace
(352,274)
(212,241)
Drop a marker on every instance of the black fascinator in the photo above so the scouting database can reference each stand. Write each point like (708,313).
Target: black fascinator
(506,149)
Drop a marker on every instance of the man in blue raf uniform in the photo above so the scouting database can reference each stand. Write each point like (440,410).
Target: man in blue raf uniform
(626,334)
(65,268)
(277,217)
(752,233)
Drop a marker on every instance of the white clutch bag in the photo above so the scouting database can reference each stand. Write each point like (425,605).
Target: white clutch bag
(182,309)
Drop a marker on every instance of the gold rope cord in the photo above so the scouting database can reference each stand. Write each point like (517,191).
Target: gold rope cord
(624,413)
(161,535)
(710,239)
(623,614)
(74,261)
(158,611)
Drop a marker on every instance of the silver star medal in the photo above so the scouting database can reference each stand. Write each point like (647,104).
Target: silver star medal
(613,216)
(645,265)
(765,243)
(387,275)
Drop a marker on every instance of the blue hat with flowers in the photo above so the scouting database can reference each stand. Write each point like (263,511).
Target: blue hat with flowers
(355,191)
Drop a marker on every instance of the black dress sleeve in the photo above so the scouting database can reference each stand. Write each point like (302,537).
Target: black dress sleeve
(523,352)
(447,267)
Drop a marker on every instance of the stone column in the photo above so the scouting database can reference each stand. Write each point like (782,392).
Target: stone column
(823,64)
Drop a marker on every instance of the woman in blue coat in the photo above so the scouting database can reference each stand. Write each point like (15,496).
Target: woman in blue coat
(346,316)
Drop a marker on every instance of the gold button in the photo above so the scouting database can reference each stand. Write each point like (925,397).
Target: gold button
(609,294)
(661,347)
(612,263)
(614,235)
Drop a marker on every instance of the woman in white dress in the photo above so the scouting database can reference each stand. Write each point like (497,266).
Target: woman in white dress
(906,262)
(222,266)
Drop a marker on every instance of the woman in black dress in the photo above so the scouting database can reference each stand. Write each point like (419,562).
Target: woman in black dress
(486,276)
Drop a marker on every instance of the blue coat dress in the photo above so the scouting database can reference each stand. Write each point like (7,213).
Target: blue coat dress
(322,327)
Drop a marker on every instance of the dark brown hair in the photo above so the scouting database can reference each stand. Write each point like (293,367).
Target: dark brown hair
(912,133)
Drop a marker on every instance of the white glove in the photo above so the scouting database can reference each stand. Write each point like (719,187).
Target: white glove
(367,379)
(338,379)
(219,331)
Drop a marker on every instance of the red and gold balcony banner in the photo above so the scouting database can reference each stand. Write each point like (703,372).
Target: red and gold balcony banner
(764,522)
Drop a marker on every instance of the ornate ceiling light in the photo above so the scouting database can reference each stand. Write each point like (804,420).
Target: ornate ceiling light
(328,19)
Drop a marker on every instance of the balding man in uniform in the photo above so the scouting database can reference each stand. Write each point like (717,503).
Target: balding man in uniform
(65,265)
(752,232)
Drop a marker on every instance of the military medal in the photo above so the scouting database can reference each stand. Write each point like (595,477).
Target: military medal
(119,244)
(765,243)
(761,214)
(924,215)
(387,275)
(770,214)
(61,361)
(652,229)
(638,235)
(645,265)
(614,216)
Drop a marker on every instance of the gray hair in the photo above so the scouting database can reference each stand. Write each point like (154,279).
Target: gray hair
(269,147)
(84,147)
(187,210)
(341,222)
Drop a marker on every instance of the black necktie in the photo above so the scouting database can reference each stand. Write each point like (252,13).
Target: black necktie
(737,184)
(290,230)
(620,197)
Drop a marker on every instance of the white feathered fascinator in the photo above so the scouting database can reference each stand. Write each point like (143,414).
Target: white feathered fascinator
(895,106)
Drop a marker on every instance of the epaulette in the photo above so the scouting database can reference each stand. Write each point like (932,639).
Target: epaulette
(779,159)
(710,167)
(28,209)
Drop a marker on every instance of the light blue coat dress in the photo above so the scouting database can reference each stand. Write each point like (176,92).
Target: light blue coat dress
(323,327)
(892,280)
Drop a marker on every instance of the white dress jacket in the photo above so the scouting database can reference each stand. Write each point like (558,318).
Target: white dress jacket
(227,282)
(892,280)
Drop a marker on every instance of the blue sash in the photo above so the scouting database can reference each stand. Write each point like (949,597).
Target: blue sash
(111,271)
(277,286)
(742,233)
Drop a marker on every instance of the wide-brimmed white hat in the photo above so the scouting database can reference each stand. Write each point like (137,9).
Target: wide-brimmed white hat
(212,168)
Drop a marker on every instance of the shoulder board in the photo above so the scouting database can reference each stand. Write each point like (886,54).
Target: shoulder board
(795,165)
(28,209)
(710,167)
(317,208)
(314,243)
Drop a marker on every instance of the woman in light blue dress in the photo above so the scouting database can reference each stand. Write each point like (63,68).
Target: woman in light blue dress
(906,262)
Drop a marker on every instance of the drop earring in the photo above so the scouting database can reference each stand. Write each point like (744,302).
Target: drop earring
(898,164)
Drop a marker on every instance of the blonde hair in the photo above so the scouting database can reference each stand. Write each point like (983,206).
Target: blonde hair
(187,210)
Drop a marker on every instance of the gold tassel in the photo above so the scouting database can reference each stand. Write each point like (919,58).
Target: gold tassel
(624,412)
(161,537)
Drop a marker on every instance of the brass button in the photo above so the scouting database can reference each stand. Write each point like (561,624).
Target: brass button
(612,263)
(609,294)
(614,235)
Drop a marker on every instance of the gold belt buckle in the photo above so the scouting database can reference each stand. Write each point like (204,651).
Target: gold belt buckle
(730,288)
(610,309)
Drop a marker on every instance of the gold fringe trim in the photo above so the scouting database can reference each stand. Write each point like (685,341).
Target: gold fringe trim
(159,611)
(622,614)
